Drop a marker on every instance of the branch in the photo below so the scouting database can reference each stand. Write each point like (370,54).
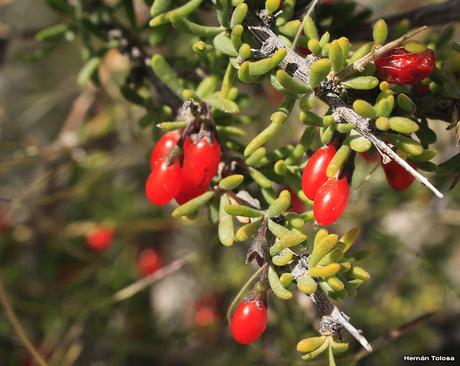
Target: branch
(394,334)
(432,14)
(18,328)
(299,68)
(332,319)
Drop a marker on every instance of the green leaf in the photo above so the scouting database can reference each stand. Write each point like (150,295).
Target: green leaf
(231,182)
(247,231)
(225,228)
(321,248)
(307,285)
(290,84)
(224,44)
(216,100)
(280,205)
(192,206)
(52,33)
(88,70)
(167,75)
(259,68)
(241,210)
(276,285)
(181,11)
(319,71)
(159,6)
(361,83)
(197,29)
(239,14)
(223,10)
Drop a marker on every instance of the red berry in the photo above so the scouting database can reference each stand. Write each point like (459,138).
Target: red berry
(207,311)
(314,174)
(100,238)
(163,147)
(401,67)
(331,200)
(149,261)
(249,321)
(398,178)
(163,183)
(201,159)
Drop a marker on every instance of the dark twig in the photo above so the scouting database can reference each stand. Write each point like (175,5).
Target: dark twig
(394,334)
(299,68)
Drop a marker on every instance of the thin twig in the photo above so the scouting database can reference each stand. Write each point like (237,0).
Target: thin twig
(359,65)
(299,31)
(145,282)
(238,295)
(18,328)
(394,334)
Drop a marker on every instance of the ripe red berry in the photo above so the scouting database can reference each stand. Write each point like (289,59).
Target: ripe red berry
(201,159)
(163,147)
(401,67)
(331,200)
(206,311)
(163,183)
(249,321)
(100,238)
(149,261)
(398,178)
(314,174)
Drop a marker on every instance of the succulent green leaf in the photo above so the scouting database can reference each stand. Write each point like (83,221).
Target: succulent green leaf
(192,206)
(225,226)
(242,210)
(276,285)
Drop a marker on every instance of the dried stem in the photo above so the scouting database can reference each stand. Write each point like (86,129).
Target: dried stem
(18,328)
(359,65)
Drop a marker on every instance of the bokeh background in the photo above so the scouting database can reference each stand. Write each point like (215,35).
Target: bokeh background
(73,157)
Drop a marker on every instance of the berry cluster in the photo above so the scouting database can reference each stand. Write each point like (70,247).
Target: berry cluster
(170,179)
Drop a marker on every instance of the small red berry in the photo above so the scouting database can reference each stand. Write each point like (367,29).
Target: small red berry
(100,238)
(314,174)
(249,321)
(331,200)
(398,178)
(206,311)
(401,67)
(163,147)
(149,261)
(201,160)
(163,183)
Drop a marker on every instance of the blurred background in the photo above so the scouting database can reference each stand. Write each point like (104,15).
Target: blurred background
(73,159)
